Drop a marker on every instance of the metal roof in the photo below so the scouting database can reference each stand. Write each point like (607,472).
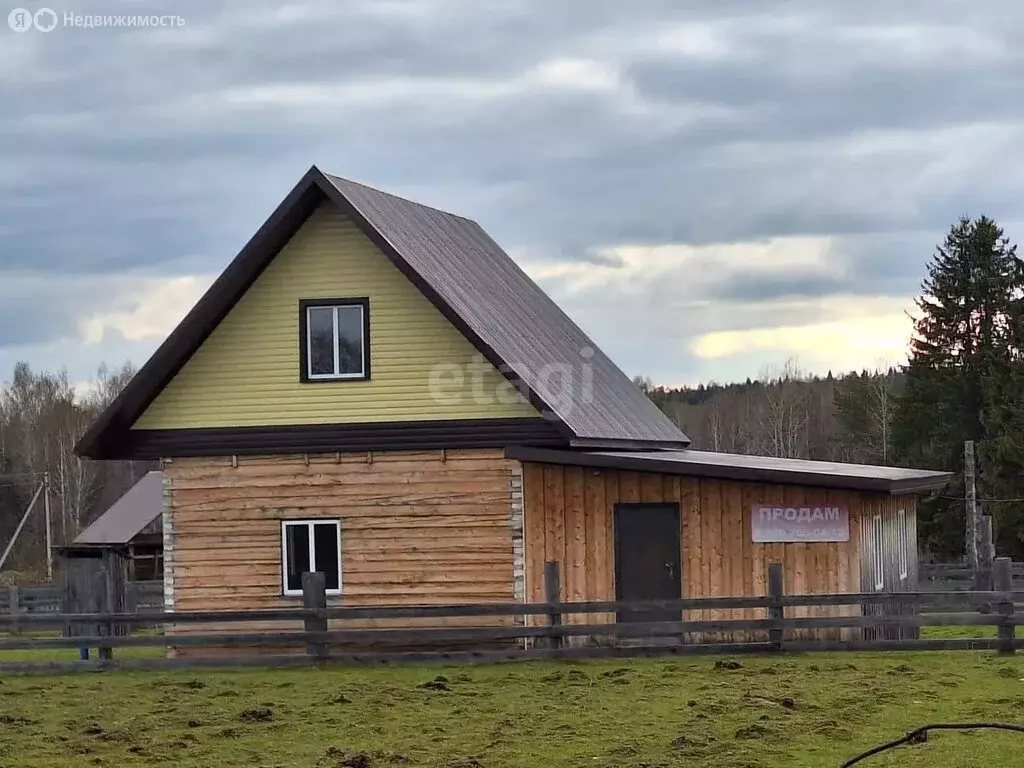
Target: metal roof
(512,316)
(469,278)
(763,469)
(136,512)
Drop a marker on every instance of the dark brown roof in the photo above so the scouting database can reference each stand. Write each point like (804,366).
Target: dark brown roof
(136,512)
(762,469)
(469,278)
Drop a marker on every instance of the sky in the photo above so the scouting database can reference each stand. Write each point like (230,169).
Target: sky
(708,188)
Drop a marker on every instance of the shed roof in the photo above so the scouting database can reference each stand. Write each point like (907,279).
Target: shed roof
(129,516)
(763,469)
(469,278)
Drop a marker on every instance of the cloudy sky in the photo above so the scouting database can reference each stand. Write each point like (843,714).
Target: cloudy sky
(708,187)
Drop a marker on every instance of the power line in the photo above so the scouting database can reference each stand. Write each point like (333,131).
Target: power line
(985,501)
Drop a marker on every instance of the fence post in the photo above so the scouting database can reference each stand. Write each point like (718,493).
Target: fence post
(13,600)
(553,596)
(983,576)
(1003,582)
(776,589)
(314,599)
(106,652)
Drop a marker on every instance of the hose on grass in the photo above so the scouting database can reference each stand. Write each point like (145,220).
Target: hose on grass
(919,735)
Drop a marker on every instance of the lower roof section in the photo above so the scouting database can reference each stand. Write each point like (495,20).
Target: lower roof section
(760,469)
(132,514)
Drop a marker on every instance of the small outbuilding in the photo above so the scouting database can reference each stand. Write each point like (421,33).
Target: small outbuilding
(132,528)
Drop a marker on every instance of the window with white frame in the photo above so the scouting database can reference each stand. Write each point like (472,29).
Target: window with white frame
(335,339)
(878,552)
(903,539)
(308,546)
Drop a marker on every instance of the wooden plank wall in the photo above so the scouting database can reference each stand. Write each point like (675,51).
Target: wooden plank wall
(569,518)
(417,528)
(888,507)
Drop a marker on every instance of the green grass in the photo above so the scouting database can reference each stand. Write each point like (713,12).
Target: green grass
(70,654)
(793,710)
(955,632)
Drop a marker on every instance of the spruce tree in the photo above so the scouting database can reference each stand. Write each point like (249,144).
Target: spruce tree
(964,367)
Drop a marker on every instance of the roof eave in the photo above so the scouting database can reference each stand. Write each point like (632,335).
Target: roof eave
(652,463)
(602,444)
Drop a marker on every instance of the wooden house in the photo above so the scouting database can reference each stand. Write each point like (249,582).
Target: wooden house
(375,390)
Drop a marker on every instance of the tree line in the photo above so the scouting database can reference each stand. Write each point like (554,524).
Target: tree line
(42,416)
(963,380)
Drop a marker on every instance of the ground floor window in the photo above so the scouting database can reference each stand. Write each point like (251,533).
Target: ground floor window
(310,545)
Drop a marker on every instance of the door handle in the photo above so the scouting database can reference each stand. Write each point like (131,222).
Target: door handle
(671,570)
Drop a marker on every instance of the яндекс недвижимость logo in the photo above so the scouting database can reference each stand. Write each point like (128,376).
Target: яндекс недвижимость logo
(22,20)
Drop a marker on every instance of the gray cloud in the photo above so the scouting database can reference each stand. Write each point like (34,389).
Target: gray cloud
(159,152)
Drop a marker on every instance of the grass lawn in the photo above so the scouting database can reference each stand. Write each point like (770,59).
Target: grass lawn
(793,710)
(70,654)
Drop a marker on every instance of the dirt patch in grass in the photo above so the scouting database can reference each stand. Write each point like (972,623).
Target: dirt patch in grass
(258,715)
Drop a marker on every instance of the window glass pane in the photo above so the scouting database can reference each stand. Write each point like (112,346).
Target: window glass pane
(320,327)
(325,542)
(350,339)
(296,555)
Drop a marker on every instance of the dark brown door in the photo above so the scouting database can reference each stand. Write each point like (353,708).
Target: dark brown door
(647,557)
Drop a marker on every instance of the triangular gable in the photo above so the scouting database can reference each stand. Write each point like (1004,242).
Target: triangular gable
(463,273)
(249,372)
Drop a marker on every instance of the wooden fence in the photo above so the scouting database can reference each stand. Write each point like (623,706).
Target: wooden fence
(142,595)
(305,630)
(949,577)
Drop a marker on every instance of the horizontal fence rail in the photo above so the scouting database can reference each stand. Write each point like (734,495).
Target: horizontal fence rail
(47,598)
(960,576)
(317,632)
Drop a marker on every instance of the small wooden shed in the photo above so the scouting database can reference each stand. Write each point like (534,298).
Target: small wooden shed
(132,528)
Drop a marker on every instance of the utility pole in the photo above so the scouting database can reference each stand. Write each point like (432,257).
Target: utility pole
(49,527)
(21,524)
(973,513)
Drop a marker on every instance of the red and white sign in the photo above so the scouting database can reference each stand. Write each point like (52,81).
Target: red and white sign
(780,524)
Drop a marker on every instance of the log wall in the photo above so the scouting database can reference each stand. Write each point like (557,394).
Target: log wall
(417,528)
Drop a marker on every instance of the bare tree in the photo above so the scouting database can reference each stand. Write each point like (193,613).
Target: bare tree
(786,414)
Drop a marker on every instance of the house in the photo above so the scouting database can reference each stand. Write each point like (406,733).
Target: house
(131,528)
(375,390)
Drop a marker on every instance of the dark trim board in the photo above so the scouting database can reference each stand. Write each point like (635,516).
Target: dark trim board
(759,469)
(329,438)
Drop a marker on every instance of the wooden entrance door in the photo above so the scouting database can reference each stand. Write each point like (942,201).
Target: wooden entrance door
(647,563)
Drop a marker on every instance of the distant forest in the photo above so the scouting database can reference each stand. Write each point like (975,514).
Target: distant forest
(789,414)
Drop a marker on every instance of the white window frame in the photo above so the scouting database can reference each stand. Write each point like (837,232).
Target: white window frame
(904,543)
(878,551)
(285,524)
(337,375)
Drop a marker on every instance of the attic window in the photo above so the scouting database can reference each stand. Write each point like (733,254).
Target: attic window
(334,339)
